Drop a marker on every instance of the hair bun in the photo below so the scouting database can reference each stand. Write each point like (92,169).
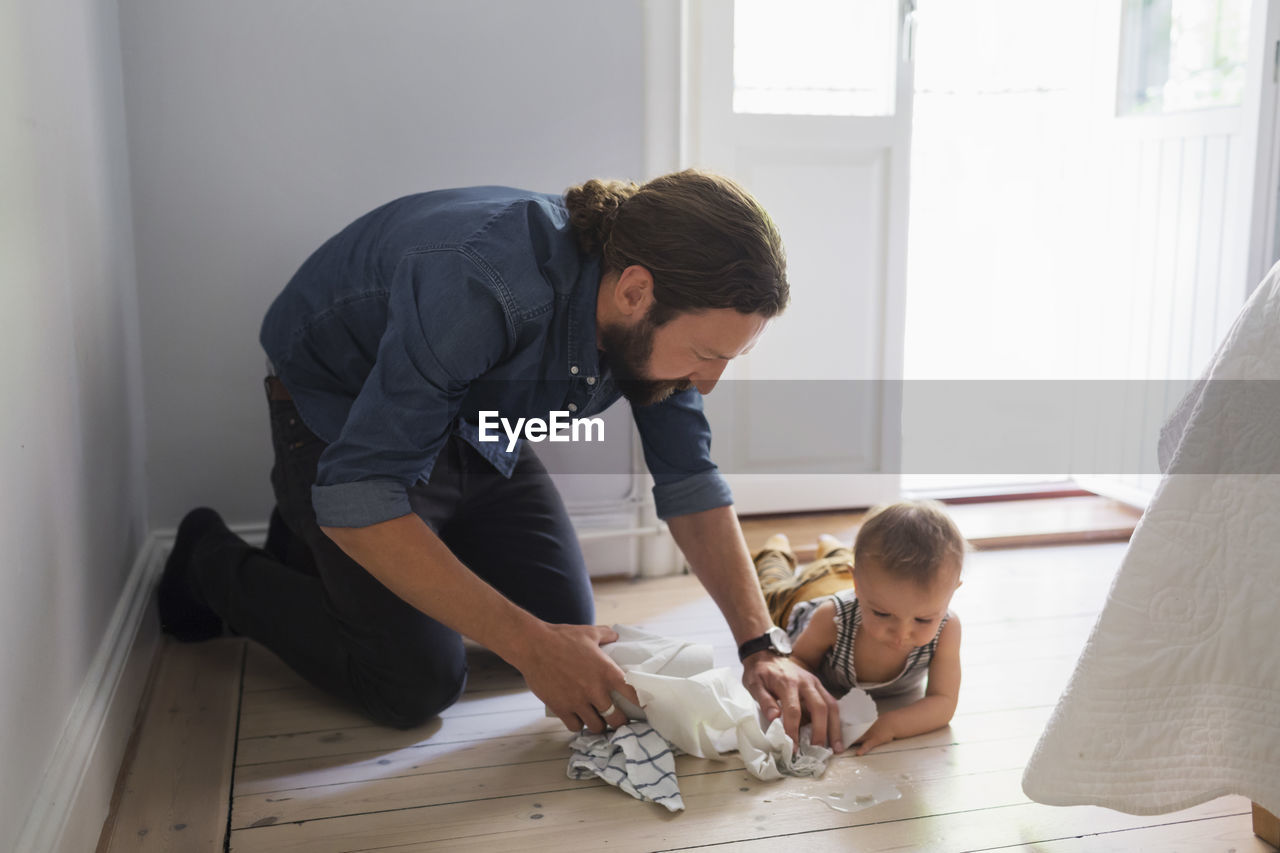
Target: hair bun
(704,240)
(593,208)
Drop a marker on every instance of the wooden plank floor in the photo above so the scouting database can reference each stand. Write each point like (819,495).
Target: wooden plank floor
(172,797)
(489,774)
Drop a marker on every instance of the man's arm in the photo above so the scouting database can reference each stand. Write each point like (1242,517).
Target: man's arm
(712,542)
(562,664)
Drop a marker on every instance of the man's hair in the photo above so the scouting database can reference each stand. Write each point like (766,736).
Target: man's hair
(911,540)
(704,239)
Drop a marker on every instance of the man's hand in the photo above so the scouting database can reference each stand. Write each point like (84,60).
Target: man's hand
(786,689)
(565,668)
(712,542)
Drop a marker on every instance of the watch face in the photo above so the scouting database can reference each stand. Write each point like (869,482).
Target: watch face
(781,642)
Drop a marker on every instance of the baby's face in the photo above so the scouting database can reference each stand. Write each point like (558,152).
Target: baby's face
(899,613)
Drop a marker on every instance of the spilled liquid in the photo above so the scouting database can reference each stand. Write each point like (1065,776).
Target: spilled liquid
(850,791)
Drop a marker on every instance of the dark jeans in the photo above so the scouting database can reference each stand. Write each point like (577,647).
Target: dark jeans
(344,631)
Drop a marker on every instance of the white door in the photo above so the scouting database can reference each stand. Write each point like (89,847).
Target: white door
(808,104)
(1186,153)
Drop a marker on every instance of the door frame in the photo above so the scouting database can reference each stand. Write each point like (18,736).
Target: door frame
(1262,128)
(680,124)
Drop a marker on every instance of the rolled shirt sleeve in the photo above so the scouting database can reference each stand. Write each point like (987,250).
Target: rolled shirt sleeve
(445,327)
(676,439)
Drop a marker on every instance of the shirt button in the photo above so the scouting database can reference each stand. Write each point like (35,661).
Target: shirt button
(574,370)
(573,407)
(591,380)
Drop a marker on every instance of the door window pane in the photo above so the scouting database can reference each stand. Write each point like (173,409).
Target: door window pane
(815,57)
(1180,55)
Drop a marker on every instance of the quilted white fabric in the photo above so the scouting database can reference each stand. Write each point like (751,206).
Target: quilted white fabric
(1176,697)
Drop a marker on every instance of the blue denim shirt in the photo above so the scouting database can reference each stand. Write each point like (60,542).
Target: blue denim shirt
(400,329)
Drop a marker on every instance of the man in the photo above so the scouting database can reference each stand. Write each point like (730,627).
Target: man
(399,529)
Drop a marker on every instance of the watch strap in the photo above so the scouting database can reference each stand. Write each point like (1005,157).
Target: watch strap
(757,644)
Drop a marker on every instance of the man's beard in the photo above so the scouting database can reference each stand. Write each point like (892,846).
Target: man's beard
(627,350)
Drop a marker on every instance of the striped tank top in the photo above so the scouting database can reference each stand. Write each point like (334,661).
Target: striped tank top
(836,669)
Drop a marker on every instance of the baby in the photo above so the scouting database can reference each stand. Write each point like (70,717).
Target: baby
(890,633)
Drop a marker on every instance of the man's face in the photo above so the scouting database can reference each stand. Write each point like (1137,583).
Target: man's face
(650,363)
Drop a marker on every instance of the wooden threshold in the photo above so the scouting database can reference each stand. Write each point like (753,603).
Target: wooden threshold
(1266,826)
(1023,523)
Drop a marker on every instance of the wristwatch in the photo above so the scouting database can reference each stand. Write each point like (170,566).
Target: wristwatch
(774,640)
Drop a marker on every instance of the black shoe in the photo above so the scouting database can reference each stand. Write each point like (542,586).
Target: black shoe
(182,613)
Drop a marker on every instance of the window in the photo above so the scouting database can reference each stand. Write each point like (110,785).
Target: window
(815,57)
(1178,55)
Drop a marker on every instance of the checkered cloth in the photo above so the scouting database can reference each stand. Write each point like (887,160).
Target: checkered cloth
(633,757)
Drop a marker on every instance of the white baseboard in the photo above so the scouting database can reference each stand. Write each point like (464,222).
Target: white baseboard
(74,796)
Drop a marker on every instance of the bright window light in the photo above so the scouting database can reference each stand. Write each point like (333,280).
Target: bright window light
(815,57)
(1179,55)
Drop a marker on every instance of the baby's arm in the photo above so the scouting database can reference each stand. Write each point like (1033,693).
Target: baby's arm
(817,637)
(939,703)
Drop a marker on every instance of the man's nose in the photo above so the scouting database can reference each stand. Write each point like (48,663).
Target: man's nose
(705,378)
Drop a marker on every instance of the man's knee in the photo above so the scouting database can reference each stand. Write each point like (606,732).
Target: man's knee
(572,610)
(413,695)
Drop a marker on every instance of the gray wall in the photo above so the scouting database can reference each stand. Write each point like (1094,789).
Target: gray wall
(72,509)
(165,165)
(257,129)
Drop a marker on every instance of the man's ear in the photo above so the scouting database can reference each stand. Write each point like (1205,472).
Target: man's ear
(633,293)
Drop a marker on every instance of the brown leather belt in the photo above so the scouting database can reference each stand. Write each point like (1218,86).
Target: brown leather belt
(276,389)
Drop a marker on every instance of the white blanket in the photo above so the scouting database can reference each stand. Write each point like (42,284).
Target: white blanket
(1176,698)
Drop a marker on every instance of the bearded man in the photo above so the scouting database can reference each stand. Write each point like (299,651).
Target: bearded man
(398,530)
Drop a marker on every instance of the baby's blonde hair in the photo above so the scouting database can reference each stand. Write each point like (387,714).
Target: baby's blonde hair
(910,539)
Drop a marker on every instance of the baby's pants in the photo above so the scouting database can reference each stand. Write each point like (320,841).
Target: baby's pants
(784,587)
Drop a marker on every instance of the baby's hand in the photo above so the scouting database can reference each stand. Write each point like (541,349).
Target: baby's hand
(881,732)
